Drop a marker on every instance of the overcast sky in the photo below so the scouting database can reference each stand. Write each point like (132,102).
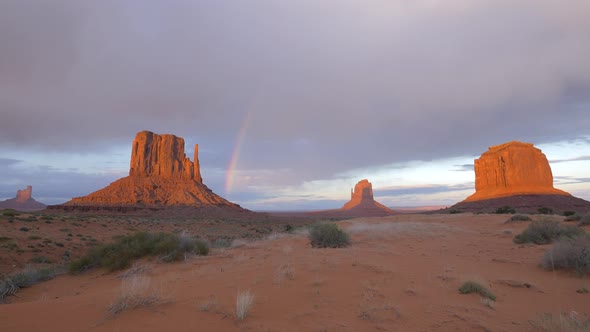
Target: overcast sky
(324,93)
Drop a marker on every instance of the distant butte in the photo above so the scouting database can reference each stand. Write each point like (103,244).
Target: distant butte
(517,174)
(160,176)
(23,201)
(361,204)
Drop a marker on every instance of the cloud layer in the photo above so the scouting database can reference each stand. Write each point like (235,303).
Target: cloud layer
(330,86)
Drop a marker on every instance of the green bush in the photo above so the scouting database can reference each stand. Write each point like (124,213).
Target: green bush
(545,231)
(24,229)
(569,253)
(9,213)
(473,287)
(505,210)
(119,254)
(574,217)
(545,210)
(585,220)
(569,213)
(518,218)
(328,236)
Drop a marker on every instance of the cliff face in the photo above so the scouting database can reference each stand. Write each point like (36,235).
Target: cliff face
(163,156)
(512,168)
(160,175)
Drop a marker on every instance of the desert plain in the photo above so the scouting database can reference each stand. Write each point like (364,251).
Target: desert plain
(400,273)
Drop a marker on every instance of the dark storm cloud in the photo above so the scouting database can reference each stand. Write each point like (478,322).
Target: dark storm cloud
(331,85)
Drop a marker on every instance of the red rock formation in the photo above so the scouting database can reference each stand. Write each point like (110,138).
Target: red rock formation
(512,168)
(23,201)
(362,201)
(160,175)
(24,195)
(163,156)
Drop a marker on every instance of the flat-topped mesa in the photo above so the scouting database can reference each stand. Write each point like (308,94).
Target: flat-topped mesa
(24,194)
(162,156)
(512,168)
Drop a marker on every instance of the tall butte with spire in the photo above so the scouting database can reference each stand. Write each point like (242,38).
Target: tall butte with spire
(160,175)
(362,201)
(517,174)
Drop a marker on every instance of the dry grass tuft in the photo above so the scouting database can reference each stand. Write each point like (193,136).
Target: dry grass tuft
(570,322)
(136,292)
(244,302)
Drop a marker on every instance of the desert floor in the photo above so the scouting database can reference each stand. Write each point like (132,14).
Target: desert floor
(401,273)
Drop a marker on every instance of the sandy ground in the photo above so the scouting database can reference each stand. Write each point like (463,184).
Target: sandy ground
(401,273)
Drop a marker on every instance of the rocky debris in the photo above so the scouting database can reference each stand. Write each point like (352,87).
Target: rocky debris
(512,168)
(23,201)
(160,175)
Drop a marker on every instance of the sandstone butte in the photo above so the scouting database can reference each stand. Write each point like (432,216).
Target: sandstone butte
(160,175)
(518,175)
(362,201)
(512,168)
(23,201)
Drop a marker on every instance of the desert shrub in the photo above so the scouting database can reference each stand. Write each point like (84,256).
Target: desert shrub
(325,235)
(222,243)
(575,217)
(24,229)
(473,287)
(244,302)
(545,210)
(40,260)
(518,218)
(545,231)
(569,213)
(136,292)
(585,220)
(9,213)
(454,211)
(10,285)
(582,290)
(119,254)
(505,210)
(289,228)
(569,253)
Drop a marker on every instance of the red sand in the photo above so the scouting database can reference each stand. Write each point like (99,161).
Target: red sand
(401,273)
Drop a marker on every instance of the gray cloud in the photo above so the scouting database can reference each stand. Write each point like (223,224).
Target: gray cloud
(580,158)
(330,86)
(433,189)
(9,161)
(463,168)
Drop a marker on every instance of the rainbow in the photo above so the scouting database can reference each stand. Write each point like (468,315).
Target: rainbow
(231,170)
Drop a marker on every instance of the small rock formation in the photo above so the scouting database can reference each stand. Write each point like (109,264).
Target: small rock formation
(160,175)
(24,195)
(23,201)
(512,168)
(362,201)
(518,175)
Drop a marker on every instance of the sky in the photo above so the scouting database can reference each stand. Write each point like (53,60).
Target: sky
(293,102)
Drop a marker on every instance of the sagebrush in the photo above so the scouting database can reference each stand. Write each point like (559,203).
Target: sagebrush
(121,253)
